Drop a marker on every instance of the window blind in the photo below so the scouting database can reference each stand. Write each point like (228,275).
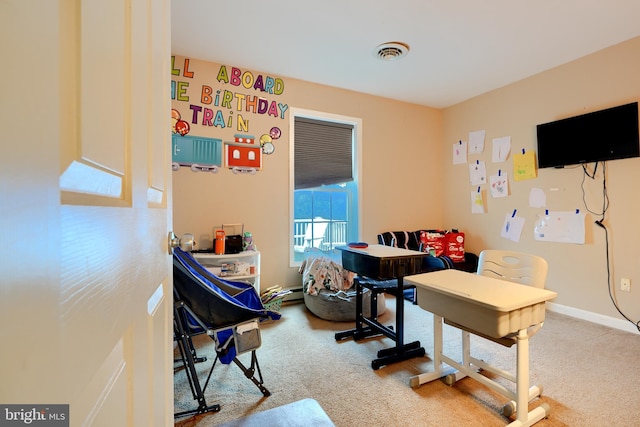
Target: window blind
(323,153)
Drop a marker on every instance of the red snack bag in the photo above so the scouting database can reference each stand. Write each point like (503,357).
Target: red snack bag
(433,242)
(454,246)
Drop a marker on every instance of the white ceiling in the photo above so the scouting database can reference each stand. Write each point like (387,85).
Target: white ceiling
(458,48)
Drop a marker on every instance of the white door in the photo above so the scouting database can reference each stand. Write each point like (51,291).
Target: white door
(85,284)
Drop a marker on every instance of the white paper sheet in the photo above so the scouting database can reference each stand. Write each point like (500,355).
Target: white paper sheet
(537,198)
(476,141)
(500,149)
(562,227)
(460,152)
(499,185)
(512,227)
(477,173)
(477,201)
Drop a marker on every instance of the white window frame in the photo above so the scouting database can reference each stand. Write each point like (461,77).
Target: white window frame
(357,163)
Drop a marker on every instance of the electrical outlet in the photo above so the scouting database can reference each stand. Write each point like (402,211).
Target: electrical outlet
(625,284)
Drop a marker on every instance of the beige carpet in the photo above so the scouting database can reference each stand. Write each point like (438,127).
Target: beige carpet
(589,374)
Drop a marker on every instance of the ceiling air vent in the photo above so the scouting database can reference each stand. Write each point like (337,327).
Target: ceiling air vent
(391,51)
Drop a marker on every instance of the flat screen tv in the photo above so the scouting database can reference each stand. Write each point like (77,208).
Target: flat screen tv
(602,135)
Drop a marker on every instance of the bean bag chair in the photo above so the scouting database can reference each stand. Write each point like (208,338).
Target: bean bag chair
(328,289)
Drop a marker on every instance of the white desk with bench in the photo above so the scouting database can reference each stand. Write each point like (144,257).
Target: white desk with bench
(494,309)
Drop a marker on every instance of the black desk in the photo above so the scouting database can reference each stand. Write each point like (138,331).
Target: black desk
(375,267)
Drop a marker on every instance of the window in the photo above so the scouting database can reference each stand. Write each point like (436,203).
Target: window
(324,157)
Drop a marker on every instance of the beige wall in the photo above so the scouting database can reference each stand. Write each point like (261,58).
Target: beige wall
(577,272)
(409,180)
(401,153)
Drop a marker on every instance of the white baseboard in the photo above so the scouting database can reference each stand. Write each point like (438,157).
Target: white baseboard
(600,319)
